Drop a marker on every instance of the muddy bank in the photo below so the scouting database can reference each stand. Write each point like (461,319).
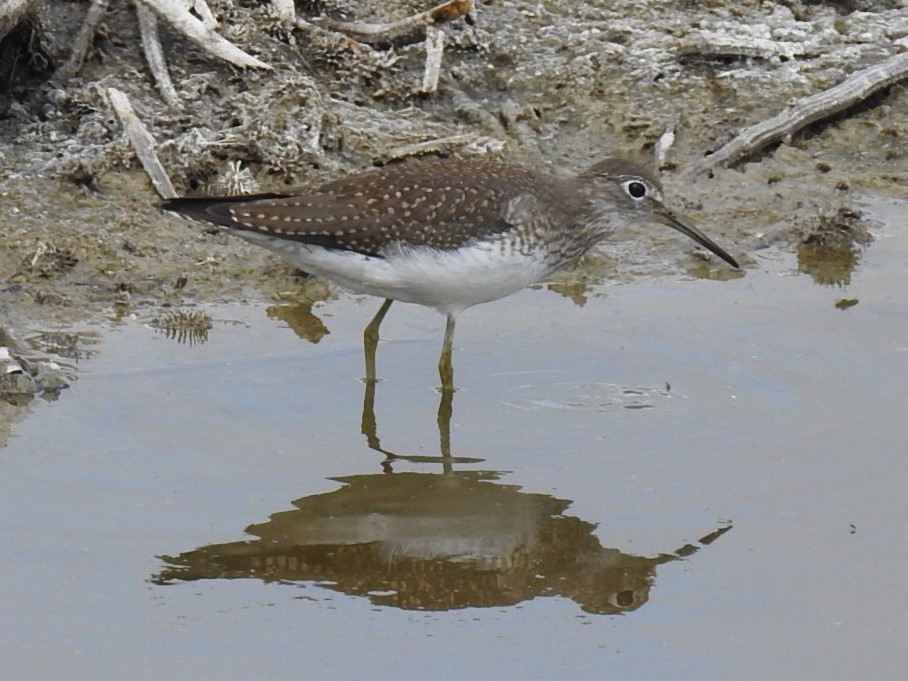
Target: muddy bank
(558,85)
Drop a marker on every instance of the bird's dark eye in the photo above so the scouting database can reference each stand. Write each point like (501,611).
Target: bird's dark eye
(636,189)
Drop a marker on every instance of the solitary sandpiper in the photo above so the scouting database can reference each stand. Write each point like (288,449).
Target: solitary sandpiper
(444,233)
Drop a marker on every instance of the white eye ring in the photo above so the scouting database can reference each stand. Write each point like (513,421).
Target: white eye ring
(636,189)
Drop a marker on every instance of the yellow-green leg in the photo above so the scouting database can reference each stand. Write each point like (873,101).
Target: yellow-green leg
(446,362)
(370,339)
(445,412)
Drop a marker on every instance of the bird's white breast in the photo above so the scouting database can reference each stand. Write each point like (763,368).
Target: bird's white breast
(447,280)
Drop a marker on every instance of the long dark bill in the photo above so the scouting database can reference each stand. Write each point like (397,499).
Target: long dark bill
(689,230)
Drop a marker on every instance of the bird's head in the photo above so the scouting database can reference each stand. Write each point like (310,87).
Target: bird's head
(630,190)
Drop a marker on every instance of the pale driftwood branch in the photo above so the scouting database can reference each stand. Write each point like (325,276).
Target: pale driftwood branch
(435,47)
(666,140)
(470,139)
(717,46)
(83,41)
(154,55)
(201,8)
(854,89)
(142,142)
(179,17)
(409,28)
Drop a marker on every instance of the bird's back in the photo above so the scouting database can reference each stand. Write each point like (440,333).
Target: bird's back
(441,204)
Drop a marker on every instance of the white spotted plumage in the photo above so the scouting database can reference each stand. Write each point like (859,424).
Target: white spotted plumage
(447,234)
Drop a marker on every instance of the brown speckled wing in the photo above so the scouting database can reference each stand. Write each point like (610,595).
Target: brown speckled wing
(441,203)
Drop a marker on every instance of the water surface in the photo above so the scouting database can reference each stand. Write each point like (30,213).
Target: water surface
(682,478)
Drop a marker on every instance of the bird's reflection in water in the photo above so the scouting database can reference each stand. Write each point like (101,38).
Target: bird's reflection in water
(305,324)
(370,426)
(425,541)
(433,541)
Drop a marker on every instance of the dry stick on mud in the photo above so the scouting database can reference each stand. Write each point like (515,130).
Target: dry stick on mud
(83,41)
(435,47)
(201,8)
(143,143)
(176,14)
(409,28)
(154,55)
(710,45)
(854,89)
(486,144)
(660,153)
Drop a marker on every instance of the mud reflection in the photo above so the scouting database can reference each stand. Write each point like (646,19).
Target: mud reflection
(301,320)
(831,248)
(428,541)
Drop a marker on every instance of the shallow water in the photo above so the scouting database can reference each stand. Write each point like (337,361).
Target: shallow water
(680,479)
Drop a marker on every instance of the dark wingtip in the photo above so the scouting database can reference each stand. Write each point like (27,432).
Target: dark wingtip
(214,210)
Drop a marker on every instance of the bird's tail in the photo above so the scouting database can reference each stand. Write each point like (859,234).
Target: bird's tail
(212,209)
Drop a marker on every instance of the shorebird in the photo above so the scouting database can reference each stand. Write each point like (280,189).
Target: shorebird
(445,233)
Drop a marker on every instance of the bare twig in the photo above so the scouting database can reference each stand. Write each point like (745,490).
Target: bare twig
(201,8)
(718,46)
(179,17)
(154,55)
(809,110)
(470,139)
(410,28)
(143,143)
(662,146)
(83,41)
(435,47)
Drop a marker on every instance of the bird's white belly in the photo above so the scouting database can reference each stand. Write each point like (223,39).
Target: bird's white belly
(449,281)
